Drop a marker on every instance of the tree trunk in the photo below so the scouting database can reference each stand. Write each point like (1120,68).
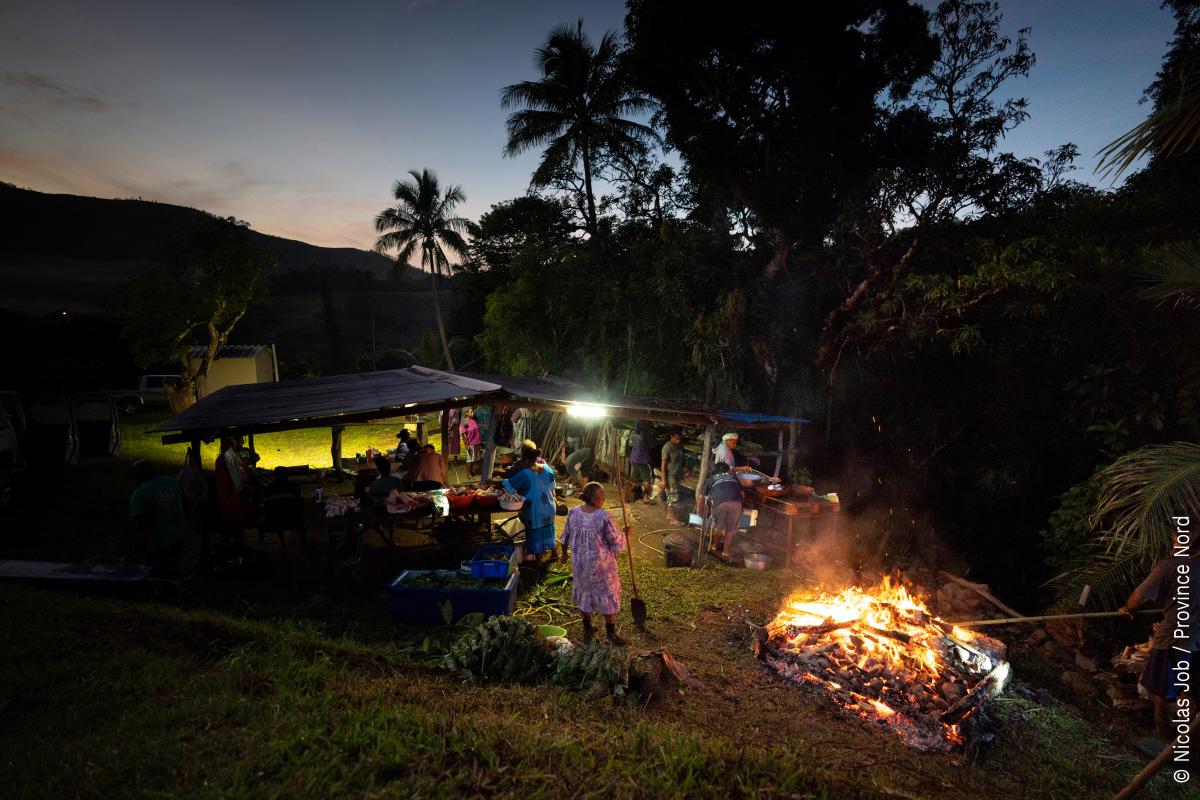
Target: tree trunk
(181,393)
(437,310)
(629,348)
(587,188)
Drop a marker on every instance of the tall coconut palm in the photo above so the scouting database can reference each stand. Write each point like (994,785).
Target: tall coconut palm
(422,220)
(577,110)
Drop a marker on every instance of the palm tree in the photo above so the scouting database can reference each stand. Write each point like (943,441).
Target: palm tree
(421,219)
(1174,128)
(577,110)
(1173,272)
(1140,494)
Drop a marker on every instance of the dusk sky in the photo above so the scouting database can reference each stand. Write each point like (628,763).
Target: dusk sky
(297,117)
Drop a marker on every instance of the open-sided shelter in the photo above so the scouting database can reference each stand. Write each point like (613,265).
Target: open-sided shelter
(338,400)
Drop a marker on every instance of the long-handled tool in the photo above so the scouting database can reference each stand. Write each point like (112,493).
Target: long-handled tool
(978,623)
(637,606)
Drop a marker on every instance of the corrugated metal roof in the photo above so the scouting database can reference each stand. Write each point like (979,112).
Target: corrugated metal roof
(230,351)
(557,390)
(339,399)
(325,401)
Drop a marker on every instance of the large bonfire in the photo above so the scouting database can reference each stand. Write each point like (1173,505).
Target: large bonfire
(881,655)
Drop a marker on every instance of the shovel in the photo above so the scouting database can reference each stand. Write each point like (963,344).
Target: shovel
(637,606)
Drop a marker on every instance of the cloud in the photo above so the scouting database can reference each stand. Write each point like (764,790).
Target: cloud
(44,89)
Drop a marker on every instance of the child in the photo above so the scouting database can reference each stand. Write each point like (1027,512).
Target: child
(593,542)
(471,438)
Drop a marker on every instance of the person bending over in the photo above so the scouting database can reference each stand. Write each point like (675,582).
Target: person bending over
(724,494)
(157,520)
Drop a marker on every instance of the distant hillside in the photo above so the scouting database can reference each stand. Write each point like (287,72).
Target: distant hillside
(329,308)
(66,250)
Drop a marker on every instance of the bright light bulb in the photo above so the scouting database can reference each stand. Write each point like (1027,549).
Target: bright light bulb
(591,410)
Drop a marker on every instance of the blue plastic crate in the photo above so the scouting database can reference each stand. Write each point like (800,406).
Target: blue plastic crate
(422,605)
(494,561)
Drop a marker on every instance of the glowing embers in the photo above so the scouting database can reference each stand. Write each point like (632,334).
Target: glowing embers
(882,656)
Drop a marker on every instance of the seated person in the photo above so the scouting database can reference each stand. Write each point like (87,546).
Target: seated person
(157,519)
(427,470)
(404,447)
(383,485)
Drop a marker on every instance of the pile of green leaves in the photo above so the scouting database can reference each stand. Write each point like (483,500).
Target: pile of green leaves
(453,579)
(510,650)
(504,650)
(597,668)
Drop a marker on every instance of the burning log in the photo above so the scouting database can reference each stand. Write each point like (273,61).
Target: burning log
(991,685)
(881,656)
(824,627)
(897,635)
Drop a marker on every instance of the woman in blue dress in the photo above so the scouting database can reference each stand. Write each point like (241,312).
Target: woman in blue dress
(536,484)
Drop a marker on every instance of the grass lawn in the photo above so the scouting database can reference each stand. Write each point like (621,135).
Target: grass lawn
(289,448)
(240,688)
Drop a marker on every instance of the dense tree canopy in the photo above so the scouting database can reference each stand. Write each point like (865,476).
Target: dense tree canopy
(841,235)
(211,277)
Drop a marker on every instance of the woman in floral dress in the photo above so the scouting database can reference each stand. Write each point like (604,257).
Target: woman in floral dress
(591,537)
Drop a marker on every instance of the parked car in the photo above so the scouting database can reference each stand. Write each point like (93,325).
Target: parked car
(10,449)
(97,424)
(14,410)
(151,392)
(51,441)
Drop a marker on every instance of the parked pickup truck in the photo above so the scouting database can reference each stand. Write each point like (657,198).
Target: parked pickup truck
(150,393)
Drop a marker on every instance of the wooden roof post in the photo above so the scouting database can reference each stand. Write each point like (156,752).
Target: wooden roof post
(444,419)
(779,458)
(335,449)
(706,460)
(793,431)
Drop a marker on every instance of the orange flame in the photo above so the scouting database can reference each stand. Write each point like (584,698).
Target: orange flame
(881,654)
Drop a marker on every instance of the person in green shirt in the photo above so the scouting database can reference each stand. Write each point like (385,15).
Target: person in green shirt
(157,519)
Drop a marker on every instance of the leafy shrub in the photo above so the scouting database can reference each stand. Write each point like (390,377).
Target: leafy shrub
(1068,535)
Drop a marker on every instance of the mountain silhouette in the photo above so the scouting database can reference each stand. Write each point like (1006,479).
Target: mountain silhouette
(68,251)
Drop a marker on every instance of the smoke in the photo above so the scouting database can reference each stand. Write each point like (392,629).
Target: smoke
(884,527)
(836,550)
